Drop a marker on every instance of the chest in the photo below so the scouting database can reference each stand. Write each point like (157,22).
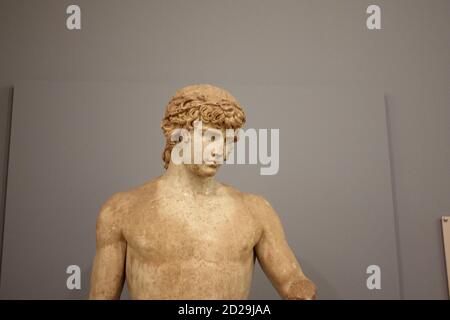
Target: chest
(180,228)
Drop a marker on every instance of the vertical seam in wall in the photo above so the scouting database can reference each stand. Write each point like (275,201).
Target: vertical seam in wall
(5,181)
(394,200)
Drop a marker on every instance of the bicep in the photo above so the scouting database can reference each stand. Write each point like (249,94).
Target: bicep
(108,270)
(276,257)
(273,252)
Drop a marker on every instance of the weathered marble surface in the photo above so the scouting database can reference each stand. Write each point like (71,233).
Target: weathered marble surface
(186,236)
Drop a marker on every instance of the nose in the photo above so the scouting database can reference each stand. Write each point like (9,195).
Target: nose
(217,154)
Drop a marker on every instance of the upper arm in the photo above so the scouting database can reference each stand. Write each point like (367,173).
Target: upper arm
(108,271)
(276,257)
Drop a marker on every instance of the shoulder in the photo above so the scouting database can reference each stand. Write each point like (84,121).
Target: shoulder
(264,213)
(257,201)
(119,205)
(257,204)
(112,213)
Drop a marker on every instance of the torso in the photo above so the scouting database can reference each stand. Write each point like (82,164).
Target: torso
(184,246)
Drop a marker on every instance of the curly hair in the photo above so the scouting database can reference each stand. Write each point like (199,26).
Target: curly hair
(211,105)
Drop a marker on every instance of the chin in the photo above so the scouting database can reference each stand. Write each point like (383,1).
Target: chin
(206,170)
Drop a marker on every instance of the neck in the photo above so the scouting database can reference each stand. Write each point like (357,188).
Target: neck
(180,177)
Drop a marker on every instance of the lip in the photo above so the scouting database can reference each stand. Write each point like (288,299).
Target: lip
(213,165)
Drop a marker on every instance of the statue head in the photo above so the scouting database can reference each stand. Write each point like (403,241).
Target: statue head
(215,108)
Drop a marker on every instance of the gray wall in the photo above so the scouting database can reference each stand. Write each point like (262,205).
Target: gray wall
(268,42)
(73,145)
(5,123)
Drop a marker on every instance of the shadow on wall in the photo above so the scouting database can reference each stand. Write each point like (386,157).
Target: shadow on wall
(6,98)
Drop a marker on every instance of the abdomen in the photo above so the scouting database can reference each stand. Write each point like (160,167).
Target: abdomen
(188,279)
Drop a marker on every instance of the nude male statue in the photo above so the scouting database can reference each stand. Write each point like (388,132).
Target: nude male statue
(186,236)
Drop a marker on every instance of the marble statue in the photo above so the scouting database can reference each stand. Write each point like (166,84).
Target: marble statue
(185,235)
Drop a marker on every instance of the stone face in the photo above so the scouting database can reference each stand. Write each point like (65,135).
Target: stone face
(186,236)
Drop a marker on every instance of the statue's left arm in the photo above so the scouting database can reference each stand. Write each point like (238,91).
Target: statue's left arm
(276,257)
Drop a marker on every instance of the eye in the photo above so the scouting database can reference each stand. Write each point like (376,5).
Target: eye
(213,138)
(180,138)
